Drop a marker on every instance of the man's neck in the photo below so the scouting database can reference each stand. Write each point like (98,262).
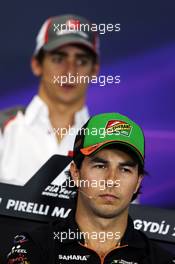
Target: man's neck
(90,223)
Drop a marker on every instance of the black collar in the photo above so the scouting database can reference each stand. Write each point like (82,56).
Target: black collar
(131,237)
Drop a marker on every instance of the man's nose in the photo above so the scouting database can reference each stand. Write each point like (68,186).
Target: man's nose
(112,174)
(112,178)
(71,68)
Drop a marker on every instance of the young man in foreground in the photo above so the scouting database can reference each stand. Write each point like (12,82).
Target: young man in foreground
(108,169)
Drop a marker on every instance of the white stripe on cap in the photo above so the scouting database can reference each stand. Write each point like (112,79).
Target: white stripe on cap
(41,37)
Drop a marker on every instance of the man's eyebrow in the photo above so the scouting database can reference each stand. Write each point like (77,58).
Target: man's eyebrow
(98,160)
(64,53)
(83,55)
(57,52)
(130,163)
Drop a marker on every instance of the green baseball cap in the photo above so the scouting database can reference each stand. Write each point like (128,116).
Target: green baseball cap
(109,128)
(66,29)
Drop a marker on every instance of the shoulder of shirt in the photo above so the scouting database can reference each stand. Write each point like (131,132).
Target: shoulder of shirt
(29,113)
(156,252)
(153,251)
(27,248)
(161,254)
(9,114)
(38,239)
(44,235)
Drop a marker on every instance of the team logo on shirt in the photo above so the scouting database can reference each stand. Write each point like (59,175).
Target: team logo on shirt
(122,261)
(18,260)
(73,257)
(18,250)
(20,239)
(118,127)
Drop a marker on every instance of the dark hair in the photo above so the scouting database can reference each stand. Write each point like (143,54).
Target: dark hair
(78,159)
(41,54)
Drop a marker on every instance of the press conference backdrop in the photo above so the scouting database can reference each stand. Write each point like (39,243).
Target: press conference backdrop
(142,53)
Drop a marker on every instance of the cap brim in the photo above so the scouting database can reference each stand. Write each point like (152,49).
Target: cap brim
(65,40)
(95,148)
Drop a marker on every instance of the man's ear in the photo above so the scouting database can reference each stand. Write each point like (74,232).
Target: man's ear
(75,173)
(36,67)
(140,178)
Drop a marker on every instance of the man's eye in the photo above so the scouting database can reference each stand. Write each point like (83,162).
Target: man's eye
(57,59)
(125,170)
(100,166)
(82,62)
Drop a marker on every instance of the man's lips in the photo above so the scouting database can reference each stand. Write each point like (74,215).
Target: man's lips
(108,197)
(68,86)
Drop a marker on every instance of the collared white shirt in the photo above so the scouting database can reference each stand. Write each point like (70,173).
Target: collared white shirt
(29,140)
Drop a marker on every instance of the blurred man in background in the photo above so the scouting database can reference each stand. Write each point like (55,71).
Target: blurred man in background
(30,136)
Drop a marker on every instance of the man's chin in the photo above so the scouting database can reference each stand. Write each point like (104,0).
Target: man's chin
(107,211)
(67,100)
(107,214)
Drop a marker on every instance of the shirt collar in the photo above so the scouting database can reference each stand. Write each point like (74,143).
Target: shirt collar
(69,226)
(37,109)
(132,237)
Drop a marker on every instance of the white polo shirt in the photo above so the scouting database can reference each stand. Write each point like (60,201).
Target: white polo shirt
(29,140)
